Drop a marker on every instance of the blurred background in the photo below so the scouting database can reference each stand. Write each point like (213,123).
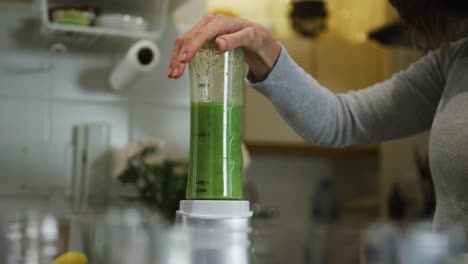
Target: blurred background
(76,115)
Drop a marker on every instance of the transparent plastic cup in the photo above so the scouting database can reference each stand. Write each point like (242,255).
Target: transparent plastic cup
(216,83)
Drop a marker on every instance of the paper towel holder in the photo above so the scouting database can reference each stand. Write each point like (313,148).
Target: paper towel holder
(142,57)
(145,56)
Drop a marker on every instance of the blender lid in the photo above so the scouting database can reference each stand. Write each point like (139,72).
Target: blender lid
(215,209)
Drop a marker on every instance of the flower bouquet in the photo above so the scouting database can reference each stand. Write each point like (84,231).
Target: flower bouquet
(158,179)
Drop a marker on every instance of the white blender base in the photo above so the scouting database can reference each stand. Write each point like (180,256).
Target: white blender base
(218,231)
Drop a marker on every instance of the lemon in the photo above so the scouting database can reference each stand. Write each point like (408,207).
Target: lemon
(71,258)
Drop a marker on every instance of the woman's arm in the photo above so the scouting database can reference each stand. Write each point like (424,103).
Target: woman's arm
(399,107)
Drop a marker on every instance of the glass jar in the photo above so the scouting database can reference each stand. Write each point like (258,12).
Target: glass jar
(216,84)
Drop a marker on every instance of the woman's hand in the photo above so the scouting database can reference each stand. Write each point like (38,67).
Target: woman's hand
(260,47)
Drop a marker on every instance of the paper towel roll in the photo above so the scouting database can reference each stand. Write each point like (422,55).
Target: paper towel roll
(142,57)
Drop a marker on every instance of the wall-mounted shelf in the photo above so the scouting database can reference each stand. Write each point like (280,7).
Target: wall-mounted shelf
(154,13)
(97,31)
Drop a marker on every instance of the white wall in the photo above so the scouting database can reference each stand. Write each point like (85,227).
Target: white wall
(43,95)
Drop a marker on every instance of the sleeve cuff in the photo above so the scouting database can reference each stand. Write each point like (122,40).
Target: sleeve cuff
(276,77)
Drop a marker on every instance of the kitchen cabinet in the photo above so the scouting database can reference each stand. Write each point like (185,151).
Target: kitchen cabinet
(342,67)
(352,20)
(263,124)
(339,66)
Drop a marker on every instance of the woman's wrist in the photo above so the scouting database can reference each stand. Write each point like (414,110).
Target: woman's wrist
(262,60)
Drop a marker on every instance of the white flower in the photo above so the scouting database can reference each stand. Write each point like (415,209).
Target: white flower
(120,163)
(180,171)
(130,151)
(147,143)
(154,159)
(141,183)
(121,157)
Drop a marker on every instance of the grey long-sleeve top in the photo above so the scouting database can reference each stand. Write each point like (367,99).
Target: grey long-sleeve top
(431,94)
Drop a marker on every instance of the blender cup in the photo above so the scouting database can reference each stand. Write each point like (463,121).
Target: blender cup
(214,219)
(216,83)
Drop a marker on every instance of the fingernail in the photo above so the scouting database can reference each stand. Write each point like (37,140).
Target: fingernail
(222,43)
(175,72)
(169,72)
(183,56)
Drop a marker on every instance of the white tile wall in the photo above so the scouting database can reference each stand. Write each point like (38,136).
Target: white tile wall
(171,124)
(66,114)
(13,26)
(25,167)
(24,73)
(11,205)
(23,119)
(156,89)
(83,77)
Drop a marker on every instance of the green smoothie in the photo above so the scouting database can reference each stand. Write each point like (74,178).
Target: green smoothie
(215,171)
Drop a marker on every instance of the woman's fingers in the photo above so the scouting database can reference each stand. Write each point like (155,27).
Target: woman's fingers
(205,20)
(188,44)
(262,50)
(194,42)
(243,38)
(173,68)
